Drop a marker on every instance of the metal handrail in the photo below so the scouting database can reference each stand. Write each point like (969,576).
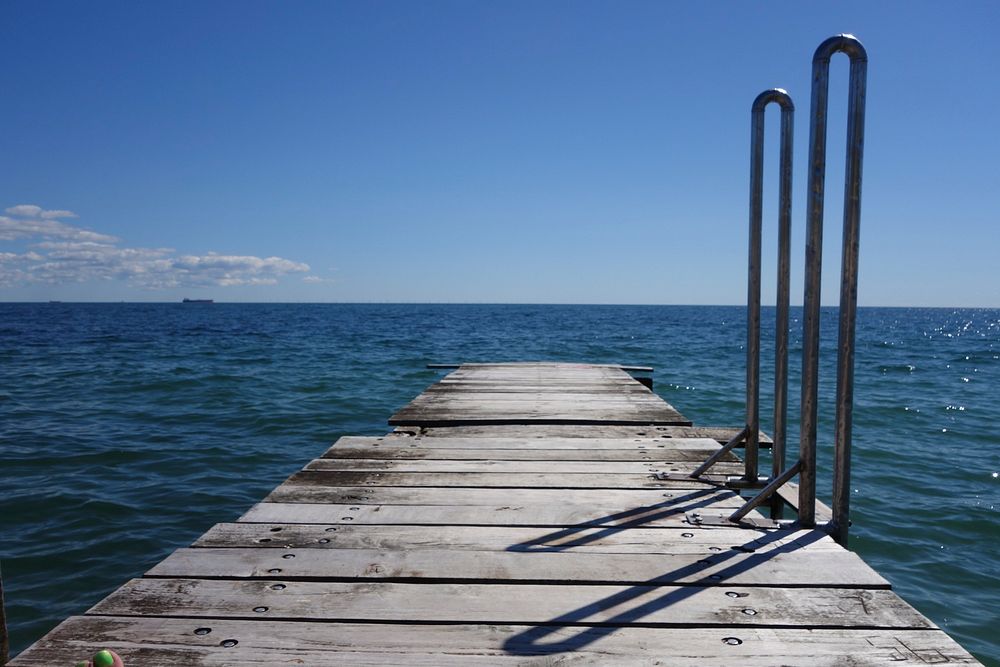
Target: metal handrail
(849,45)
(805,466)
(750,434)
(783,100)
(779,475)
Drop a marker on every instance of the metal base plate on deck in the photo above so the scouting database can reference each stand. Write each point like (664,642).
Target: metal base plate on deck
(720,519)
(730,481)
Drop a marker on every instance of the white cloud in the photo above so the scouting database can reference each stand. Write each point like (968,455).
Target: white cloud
(32,211)
(316,280)
(22,228)
(58,213)
(63,253)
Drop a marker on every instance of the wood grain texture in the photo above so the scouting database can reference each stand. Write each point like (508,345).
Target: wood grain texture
(491,465)
(521,449)
(597,500)
(783,566)
(513,514)
(318,479)
(538,393)
(171,642)
(721,434)
(503,538)
(525,603)
(430,452)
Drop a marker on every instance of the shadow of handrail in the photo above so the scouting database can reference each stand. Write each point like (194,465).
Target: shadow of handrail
(632,518)
(529,642)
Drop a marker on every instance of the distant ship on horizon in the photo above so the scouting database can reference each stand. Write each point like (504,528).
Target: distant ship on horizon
(198,301)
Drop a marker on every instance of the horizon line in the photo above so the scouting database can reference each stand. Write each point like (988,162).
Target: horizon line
(467,303)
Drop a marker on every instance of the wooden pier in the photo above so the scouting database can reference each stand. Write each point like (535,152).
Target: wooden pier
(517,515)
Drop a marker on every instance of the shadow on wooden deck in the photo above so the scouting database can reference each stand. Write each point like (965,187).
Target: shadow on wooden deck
(530,642)
(633,518)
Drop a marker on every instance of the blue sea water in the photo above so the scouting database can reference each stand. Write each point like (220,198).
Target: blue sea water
(127,430)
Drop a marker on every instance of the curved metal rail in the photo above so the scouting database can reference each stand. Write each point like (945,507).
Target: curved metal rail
(751,430)
(853,48)
(783,100)
(805,466)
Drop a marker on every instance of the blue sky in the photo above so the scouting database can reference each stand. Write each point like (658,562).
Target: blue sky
(543,152)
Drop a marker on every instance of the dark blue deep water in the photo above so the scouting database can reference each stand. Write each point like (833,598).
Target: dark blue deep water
(127,430)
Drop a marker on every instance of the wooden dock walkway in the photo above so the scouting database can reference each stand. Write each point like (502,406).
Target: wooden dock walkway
(516,516)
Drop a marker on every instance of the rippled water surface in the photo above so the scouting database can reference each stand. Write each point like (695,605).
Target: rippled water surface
(129,429)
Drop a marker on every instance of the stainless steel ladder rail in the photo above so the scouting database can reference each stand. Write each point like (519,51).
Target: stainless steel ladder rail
(784,101)
(779,474)
(750,434)
(805,466)
(853,48)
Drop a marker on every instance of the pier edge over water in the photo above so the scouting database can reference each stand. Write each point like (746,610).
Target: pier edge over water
(550,533)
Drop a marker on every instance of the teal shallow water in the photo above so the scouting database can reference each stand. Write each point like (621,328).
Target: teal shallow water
(127,430)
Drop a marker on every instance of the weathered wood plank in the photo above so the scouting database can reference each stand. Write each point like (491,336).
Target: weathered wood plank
(542,384)
(501,417)
(489,465)
(570,388)
(535,367)
(616,500)
(639,446)
(310,478)
(784,566)
(442,397)
(528,385)
(170,642)
(493,538)
(485,401)
(511,405)
(654,453)
(529,439)
(720,434)
(511,400)
(561,516)
(444,401)
(624,367)
(597,500)
(597,411)
(554,384)
(524,603)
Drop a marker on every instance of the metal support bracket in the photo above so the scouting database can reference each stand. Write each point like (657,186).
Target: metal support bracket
(721,519)
(718,480)
(767,492)
(717,456)
(728,481)
(744,483)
